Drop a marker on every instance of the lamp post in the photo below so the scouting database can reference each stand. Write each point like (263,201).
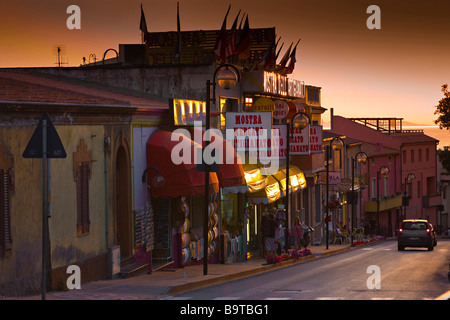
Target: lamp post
(383,170)
(408,179)
(227,79)
(361,157)
(336,143)
(300,120)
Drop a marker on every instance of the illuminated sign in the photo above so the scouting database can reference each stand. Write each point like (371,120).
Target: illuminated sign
(299,144)
(263,104)
(278,84)
(185,112)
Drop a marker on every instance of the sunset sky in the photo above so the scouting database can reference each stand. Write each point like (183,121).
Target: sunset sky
(393,72)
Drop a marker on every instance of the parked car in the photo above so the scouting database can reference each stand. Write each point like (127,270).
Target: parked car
(415,233)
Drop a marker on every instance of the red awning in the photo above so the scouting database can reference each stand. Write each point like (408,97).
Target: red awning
(231,173)
(180,179)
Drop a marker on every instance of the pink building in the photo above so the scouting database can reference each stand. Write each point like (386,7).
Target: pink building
(393,154)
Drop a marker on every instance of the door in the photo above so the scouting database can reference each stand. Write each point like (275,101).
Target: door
(123,216)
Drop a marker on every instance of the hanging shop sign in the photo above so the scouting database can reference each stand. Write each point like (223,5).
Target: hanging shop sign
(334,178)
(263,104)
(281,109)
(249,131)
(302,142)
(185,112)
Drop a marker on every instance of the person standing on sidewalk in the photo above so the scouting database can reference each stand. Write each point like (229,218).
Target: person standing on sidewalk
(269,229)
(297,233)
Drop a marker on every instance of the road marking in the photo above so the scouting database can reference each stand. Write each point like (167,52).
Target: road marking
(175,298)
(367,249)
(275,298)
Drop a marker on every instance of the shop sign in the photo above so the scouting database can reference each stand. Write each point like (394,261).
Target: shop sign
(334,178)
(249,131)
(281,109)
(263,104)
(299,143)
(278,84)
(185,112)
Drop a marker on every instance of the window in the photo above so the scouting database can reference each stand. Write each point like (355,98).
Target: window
(420,155)
(82,161)
(431,185)
(412,156)
(419,191)
(83,198)
(404,156)
(373,183)
(386,186)
(5,223)
(427,154)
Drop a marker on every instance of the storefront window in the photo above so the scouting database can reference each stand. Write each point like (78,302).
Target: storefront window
(230,216)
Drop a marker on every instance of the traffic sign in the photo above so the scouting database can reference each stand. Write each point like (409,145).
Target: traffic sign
(55,148)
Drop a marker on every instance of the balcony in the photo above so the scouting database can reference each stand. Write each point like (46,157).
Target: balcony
(431,200)
(386,203)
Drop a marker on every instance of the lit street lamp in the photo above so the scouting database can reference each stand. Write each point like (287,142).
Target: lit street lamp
(227,79)
(383,171)
(336,143)
(408,179)
(361,157)
(300,121)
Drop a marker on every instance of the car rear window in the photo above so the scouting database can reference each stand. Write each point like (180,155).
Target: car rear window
(411,225)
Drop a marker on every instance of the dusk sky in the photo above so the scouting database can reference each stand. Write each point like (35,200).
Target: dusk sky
(396,71)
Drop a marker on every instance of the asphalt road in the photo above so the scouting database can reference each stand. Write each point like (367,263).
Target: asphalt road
(377,272)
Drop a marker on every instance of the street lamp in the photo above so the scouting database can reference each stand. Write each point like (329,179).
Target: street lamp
(300,120)
(360,157)
(158,181)
(383,171)
(336,143)
(227,79)
(408,179)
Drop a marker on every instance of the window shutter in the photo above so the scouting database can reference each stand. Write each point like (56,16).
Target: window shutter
(82,198)
(85,196)
(79,201)
(5,225)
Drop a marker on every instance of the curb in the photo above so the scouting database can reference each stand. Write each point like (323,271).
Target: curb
(236,276)
(178,289)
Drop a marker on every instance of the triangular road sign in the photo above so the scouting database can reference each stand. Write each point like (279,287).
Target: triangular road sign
(55,148)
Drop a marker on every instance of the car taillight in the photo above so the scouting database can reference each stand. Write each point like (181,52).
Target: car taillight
(400,230)
(428,231)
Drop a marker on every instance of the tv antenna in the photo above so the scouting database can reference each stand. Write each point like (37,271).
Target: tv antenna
(59,51)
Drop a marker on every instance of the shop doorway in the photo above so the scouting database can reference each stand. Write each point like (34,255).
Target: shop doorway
(123,219)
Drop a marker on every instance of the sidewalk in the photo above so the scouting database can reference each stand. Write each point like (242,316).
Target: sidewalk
(164,283)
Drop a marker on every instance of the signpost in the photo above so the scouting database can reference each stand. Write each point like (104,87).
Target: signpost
(46,144)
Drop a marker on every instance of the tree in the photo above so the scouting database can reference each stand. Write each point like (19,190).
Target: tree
(443,109)
(444,158)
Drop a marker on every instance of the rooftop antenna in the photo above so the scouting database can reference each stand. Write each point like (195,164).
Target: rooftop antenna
(59,51)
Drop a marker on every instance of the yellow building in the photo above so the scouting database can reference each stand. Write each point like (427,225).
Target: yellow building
(90,189)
